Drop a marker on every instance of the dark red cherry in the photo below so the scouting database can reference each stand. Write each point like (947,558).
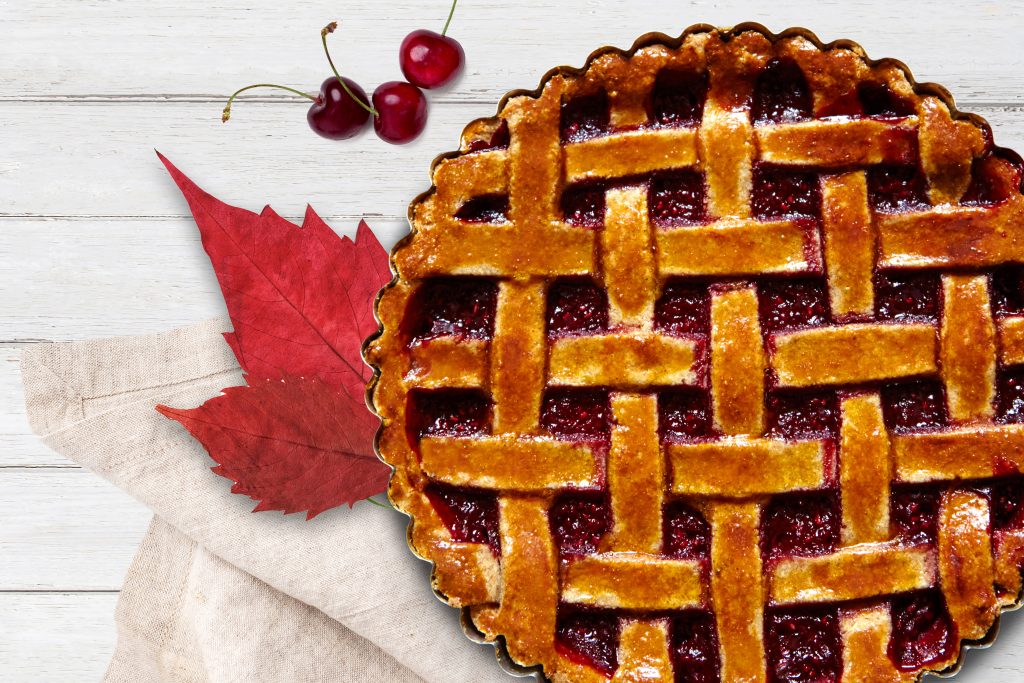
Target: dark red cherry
(429,59)
(338,112)
(334,114)
(401,111)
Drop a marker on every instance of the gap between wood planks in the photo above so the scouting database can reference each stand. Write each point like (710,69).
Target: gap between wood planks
(54,591)
(150,98)
(187,98)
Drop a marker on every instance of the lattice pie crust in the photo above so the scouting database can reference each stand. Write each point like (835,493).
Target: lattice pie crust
(706,362)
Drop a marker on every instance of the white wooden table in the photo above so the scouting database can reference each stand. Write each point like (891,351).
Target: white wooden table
(96,241)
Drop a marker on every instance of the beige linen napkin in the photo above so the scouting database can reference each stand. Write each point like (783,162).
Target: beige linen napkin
(186,615)
(217,593)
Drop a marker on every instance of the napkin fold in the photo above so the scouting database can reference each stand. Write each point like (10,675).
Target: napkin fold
(216,592)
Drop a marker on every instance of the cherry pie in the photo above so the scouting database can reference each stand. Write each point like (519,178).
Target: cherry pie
(706,363)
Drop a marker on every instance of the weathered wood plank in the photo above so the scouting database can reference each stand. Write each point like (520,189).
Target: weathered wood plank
(80,280)
(56,636)
(55,48)
(97,159)
(66,529)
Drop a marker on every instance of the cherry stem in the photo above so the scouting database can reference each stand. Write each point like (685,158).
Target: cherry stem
(323,38)
(450,13)
(370,499)
(226,114)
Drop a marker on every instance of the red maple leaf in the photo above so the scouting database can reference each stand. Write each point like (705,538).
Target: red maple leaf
(299,436)
(300,299)
(294,444)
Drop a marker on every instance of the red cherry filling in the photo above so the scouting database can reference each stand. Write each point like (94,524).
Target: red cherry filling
(687,533)
(471,516)
(914,406)
(450,412)
(488,208)
(897,189)
(878,99)
(800,524)
(677,199)
(583,205)
(907,296)
(792,303)
(1008,290)
(803,416)
(577,414)
(695,648)
(1008,503)
(781,94)
(499,139)
(803,646)
(914,514)
(922,631)
(588,638)
(683,309)
(678,97)
(683,415)
(780,193)
(453,307)
(1010,395)
(578,521)
(576,308)
(585,117)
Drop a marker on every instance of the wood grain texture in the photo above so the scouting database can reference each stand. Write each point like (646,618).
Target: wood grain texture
(80,279)
(191,48)
(60,636)
(94,239)
(67,529)
(265,155)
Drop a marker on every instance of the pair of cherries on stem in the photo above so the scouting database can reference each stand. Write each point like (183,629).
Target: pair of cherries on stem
(399,108)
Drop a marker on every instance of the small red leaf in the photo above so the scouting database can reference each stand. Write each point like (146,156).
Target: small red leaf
(293,444)
(300,298)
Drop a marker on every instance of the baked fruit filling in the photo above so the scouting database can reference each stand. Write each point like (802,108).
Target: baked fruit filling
(487,208)
(585,117)
(748,350)
(781,94)
(687,534)
(451,307)
(804,645)
(589,638)
(921,630)
(677,199)
(678,97)
(576,307)
(800,524)
(695,648)
(471,516)
(578,522)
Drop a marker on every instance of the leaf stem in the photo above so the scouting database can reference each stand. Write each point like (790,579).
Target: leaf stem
(226,114)
(450,13)
(370,499)
(323,38)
